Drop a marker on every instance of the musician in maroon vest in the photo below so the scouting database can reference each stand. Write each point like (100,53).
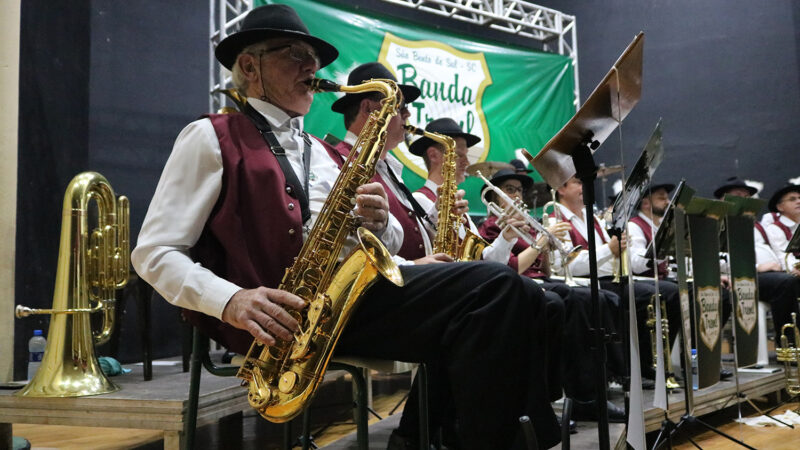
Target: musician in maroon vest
(432,154)
(775,286)
(356,108)
(232,209)
(785,202)
(642,227)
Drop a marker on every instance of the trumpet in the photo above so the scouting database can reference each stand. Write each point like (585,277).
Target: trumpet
(790,354)
(547,222)
(651,324)
(514,207)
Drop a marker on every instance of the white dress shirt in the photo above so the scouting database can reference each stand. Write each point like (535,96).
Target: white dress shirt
(498,251)
(778,241)
(764,253)
(579,266)
(186,194)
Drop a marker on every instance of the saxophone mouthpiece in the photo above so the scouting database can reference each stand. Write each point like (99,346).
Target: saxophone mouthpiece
(411,129)
(323,85)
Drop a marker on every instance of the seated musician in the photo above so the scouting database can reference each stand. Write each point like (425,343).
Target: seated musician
(775,286)
(432,154)
(642,229)
(786,203)
(532,261)
(226,220)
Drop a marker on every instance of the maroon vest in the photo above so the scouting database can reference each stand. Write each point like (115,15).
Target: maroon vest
(427,192)
(413,245)
(762,231)
(786,232)
(255,229)
(645,227)
(490,231)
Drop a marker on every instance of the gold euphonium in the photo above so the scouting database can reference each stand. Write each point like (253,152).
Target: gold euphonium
(283,378)
(447,240)
(92,264)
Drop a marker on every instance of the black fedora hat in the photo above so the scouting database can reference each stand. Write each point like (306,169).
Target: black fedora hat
(365,72)
(270,21)
(507,174)
(732,183)
(446,126)
(520,166)
(654,187)
(776,197)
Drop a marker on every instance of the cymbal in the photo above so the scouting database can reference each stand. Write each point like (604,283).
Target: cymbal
(604,170)
(487,168)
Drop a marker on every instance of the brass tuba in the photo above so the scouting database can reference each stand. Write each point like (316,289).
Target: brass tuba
(92,264)
(447,240)
(283,378)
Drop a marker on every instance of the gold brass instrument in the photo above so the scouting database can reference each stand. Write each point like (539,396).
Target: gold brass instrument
(547,222)
(515,208)
(283,378)
(651,324)
(447,237)
(618,272)
(92,264)
(789,268)
(791,354)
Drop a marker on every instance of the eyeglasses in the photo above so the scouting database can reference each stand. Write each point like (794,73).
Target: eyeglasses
(511,189)
(297,53)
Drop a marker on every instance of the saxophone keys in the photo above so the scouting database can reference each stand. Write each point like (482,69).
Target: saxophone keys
(287,382)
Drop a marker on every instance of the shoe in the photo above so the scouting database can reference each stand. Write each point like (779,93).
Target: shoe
(588,411)
(573,426)
(725,374)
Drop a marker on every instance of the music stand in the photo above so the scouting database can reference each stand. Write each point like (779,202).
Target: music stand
(570,152)
(671,237)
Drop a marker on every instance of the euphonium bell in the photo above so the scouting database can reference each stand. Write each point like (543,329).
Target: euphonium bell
(92,264)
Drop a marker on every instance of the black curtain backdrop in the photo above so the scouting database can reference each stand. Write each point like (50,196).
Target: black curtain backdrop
(107,86)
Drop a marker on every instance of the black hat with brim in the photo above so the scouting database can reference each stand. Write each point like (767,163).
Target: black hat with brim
(733,183)
(364,73)
(502,175)
(446,126)
(654,187)
(776,197)
(520,166)
(271,21)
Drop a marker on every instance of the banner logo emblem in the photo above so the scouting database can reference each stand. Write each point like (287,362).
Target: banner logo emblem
(747,305)
(452,84)
(708,301)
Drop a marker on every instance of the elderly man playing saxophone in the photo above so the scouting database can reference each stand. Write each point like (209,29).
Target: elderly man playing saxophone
(225,222)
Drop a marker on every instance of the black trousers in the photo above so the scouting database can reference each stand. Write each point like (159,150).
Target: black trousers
(781,290)
(483,326)
(643,291)
(578,364)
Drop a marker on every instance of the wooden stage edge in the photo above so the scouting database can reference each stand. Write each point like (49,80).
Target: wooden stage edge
(159,404)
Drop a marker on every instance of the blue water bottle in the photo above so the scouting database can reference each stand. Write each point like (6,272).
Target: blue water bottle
(695,378)
(36,347)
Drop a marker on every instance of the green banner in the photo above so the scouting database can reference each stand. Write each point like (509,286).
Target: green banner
(704,217)
(510,97)
(742,263)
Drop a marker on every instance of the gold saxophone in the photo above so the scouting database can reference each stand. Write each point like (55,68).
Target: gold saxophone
(283,378)
(92,264)
(449,223)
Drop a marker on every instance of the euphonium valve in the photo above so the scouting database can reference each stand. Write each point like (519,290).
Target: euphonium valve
(92,265)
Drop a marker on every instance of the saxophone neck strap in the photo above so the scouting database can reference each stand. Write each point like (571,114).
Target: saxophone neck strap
(410,197)
(300,190)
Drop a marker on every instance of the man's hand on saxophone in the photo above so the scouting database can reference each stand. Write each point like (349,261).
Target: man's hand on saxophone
(372,207)
(262,313)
